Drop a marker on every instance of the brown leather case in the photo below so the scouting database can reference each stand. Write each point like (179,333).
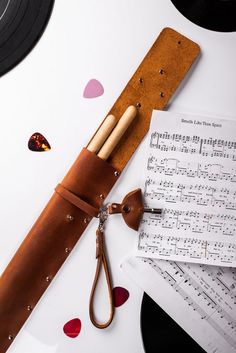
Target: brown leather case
(78,198)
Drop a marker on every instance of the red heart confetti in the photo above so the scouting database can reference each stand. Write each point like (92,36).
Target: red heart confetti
(38,143)
(72,328)
(93,89)
(120,295)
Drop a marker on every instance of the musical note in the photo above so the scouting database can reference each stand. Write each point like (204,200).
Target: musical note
(174,167)
(198,194)
(195,222)
(209,306)
(192,144)
(191,174)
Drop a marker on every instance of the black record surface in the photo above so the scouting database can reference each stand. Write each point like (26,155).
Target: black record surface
(216,15)
(161,334)
(22,23)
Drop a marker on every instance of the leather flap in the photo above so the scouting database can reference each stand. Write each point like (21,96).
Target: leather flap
(131,208)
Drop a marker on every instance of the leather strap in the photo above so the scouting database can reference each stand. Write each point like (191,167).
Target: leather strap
(101,261)
(131,209)
(76,201)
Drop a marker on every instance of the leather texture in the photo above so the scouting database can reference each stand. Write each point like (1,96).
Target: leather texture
(131,208)
(152,86)
(49,243)
(90,179)
(76,201)
(101,261)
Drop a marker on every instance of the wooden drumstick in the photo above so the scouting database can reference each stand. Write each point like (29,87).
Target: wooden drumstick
(118,132)
(101,135)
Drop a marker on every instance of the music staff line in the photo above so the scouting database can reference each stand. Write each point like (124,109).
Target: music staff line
(208,147)
(172,167)
(166,246)
(196,222)
(202,195)
(213,308)
(213,275)
(228,290)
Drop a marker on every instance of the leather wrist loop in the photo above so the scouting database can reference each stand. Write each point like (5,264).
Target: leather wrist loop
(101,261)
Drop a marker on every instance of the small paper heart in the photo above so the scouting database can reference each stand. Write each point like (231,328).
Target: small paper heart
(72,328)
(93,89)
(38,143)
(120,295)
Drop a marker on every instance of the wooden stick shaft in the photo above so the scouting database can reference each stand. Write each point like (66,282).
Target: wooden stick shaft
(102,134)
(118,132)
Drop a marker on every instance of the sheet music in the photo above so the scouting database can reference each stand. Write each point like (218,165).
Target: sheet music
(200,298)
(191,174)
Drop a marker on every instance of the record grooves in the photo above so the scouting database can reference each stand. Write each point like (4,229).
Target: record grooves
(216,15)
(22,22)
(161,333)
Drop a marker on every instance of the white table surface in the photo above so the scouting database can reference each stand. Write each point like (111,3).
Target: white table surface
(105,40)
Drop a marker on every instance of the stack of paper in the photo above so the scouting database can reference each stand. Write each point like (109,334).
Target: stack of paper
(191,174)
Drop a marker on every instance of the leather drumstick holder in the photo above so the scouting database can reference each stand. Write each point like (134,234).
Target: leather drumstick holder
(82,192)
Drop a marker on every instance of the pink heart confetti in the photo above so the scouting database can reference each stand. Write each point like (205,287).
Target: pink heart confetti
(72,328)
(93,89)
(120,295)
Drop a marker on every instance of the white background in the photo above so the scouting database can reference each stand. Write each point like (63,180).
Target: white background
(105,40)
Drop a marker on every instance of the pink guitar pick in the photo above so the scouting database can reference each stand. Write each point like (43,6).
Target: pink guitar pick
(93,89)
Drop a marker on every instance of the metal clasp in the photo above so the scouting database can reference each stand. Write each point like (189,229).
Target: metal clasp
(103,215)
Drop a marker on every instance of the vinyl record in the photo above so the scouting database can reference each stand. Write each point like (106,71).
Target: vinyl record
(216,15)
(22,23)
(162,334)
